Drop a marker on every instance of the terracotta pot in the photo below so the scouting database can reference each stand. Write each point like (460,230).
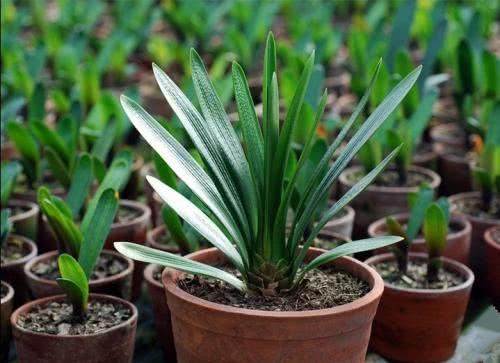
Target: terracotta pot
(118,285)
(30,195)
(132,231)
(492,257)
(458,243)
(209,332)
(161,313)
(448,136)
(149,193)
(115,344)
(342,225)
(420,325)
(426,159)
(7,304)
(378,201)
(155,235)
(26,222)
(456,174)
(479,227)
(8,151)
(13,271)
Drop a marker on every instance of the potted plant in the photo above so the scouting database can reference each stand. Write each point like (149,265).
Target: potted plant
(482,207)
(16,251)
(7,304)
(78,325)
(248,201)
(112,274)
(458,238)
(492,258)
(424,295)
(24,214)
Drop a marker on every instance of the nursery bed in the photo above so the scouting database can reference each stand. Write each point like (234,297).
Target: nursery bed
(479,341)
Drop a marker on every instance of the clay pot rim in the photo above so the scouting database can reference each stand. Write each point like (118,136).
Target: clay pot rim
(144,217)
(32,211)
(349,216)
(456,267)
(488,237)
(10,293)
(148,275)
(457,218)
(101,297)
(152,242)
(170,275)
(48,255)
(470,195)
(436,131)
(26,258)
(330,234)
(434,184)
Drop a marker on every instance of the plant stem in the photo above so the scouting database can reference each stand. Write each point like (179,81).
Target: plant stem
(433,266)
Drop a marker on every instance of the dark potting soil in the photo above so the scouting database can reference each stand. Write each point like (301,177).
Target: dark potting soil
(125,214)
(107,265)
(390,178)
(55,318)
(416,276)
(321,289)
(472,207)
(13,250)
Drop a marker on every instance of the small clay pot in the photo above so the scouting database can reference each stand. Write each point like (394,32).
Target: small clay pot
(456,174)
(330,240)
(161,312)
(379,201)
(420,325)
(26,222)
(492,257)
(447,136)
(153,240)
(132,231)
(208,332)
(342,225)
(8,151)
(7,304)
(115,344)
(479,227)
(426,159)
(13,271)
(457,243)
(119,285)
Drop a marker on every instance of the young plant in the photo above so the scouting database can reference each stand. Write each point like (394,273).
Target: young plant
(9,172)
(435,229)
(246,191)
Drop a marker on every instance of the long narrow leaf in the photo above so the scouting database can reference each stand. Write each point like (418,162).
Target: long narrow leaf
(82,178)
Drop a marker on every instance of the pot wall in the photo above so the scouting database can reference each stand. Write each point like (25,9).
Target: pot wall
(7,304)
(492,256)
(342,225)
(113,345)
(26,223)
(209,332)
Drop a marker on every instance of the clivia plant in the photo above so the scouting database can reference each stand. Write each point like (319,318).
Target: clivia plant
(247,194)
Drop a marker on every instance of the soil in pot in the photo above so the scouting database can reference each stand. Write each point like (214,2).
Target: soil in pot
(15,253)
(413,313)
(203,330)
(45,331)
(160,239)
(385,196)
(7,303)
(112,275)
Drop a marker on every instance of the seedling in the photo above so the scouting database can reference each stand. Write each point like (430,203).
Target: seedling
(248,195)
(435,229)
(9,172)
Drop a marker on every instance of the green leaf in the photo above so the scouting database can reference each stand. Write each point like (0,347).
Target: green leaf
(73,280)
(97,230)
(36,107)
(466,67)
(435,229)
(9,172)
(351,248)
(150,255)
(27,148)
(434,46)
(5,226)
(59,169)
(400,33)
(394,227)
(417,213)
(80,184)
(422,115)
(50,139)
(104,143)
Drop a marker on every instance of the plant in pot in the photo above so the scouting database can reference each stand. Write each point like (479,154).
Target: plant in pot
(388,194)
(112,274)
(482,207)
(247,199)
(424,294)
(78,324)
(16,251)
(458,237)
(24,214)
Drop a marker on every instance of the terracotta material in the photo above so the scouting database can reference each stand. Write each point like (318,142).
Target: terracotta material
(26,222)
(8,151)
(161,313)
(456,174)
(426,159)
(492,273)
(13,271)
(119,285)
(112,345)
(154,236)
(378,201)
(420,325)
(479,227)
(342,225)
(447,136)
(458,243)
(132,231)
(7,304)
(208,332)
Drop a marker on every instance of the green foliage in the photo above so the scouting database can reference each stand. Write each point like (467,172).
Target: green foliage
(9,172)
(28,150)
(5,226)
(435,229)
(248,196)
